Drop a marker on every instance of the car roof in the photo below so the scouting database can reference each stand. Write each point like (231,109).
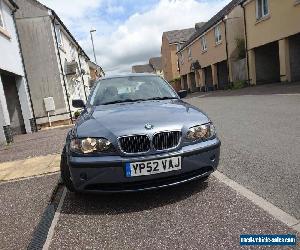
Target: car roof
(127,75)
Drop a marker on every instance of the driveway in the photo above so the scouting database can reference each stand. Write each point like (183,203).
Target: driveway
(194,216)
(22,205)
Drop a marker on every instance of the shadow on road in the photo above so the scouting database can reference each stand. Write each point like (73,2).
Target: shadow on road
(89,204)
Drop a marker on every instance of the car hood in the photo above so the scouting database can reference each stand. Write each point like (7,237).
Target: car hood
(131,118)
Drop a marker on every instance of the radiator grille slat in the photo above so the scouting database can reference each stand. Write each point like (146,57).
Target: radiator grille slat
(166,140)
(141,143)
(135,144)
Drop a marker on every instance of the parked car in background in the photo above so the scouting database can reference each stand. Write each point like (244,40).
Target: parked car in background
(136,133)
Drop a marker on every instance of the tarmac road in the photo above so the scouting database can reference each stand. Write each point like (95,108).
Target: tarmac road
(260,142)
(207,215)
(260,145)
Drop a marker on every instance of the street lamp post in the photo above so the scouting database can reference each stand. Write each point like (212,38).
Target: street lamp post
(91,31)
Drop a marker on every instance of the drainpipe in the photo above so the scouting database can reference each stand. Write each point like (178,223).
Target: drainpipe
(228,73)
(62,70)
(33,123)
(82,78)
(246,43)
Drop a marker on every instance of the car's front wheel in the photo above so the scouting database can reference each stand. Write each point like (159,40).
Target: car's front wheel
(65,172)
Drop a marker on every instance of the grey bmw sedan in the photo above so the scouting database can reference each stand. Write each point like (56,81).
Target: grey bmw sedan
(136,133)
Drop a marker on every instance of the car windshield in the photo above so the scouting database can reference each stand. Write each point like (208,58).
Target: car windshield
(131,89)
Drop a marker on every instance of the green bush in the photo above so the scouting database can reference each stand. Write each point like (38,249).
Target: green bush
(175,80)
(77,114)
(239,85)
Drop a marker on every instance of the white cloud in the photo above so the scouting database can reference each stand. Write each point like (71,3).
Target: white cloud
(71,9)
(119,46)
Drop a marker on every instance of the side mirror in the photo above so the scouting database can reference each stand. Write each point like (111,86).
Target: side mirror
(78,103)
(182,93)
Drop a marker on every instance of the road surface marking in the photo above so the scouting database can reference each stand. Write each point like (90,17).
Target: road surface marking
(276,212)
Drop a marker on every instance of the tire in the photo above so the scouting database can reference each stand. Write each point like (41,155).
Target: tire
(65,172)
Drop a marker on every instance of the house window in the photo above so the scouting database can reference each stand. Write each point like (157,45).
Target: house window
(262,8)
(1,16)
(190,53)
(181,57)
(58,36)
(203,43)
(72,52)
(218,36)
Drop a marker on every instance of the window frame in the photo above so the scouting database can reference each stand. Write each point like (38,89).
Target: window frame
(189,53)
(181,58)
(1,16)
(203,42)
(262,9)
(218,34)
(58,35)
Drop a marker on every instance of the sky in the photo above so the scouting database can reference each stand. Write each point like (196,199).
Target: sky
(128,32)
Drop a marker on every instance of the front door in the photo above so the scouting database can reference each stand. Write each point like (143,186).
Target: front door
(13,104)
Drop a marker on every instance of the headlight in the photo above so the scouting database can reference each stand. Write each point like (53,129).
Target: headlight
(90,145)
(201,132)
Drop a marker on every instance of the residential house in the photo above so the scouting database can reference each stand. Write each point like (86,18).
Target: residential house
(155,62)
(208,59)
(56,65)
(96,72)
(171,42)
(273,40)
(144,68)
(154,66)
(15,108)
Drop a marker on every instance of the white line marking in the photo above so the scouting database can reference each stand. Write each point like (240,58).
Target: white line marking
(55,220)
(276,212)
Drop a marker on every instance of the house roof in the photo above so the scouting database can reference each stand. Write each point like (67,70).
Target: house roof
(95,66)
(213,21)
(13,4)
(156,63)
(199,25)
(64,26)
(146,68)
(179,36)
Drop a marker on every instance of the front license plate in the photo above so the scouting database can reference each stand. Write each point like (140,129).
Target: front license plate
(153,167)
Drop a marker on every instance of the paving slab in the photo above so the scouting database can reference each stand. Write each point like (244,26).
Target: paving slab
(207,215)
(22,204)
(29,167)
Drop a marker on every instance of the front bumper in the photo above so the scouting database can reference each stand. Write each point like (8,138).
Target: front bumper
(107,173)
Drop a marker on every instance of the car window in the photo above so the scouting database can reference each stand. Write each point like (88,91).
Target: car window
(131,88)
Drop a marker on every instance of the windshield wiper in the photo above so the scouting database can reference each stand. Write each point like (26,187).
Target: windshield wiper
(121,101)
(138,100)
(162,98)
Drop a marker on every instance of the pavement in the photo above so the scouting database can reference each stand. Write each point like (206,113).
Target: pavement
(43,143)
(32,154)
(260,145)
(29,167)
